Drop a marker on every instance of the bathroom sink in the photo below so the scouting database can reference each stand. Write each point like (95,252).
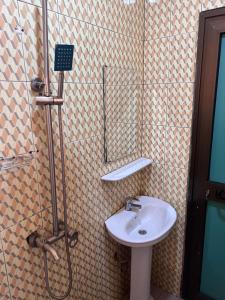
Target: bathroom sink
(140,229)
(144,227)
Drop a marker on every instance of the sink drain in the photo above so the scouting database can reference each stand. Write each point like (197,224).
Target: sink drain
(142,231)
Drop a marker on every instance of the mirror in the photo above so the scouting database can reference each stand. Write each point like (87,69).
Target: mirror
(122,112)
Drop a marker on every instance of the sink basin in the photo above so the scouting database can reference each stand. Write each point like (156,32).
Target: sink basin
(140,230)
(145,227)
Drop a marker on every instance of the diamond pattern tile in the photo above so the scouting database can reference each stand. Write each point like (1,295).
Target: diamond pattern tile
(77,33)
(11,51)
(78,9)
(15,131)
(84,110)
(99,13)
(24,266)
(103,32)
(99,52)
(136,19)
(31,21)
(211,4)
(177,146)
(175,184)
(155,104)
(168,255)
(52,4)
(180,100)
(184,16)
(182,58)
(156,61)
(4,289)
(119,12)
(153,139)
(157,17)
(19,194)
(167,258)
(153,181)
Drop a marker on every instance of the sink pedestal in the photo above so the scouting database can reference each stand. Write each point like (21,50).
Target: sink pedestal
(141,263)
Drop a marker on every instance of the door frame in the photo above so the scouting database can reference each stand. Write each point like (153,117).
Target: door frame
(190,281)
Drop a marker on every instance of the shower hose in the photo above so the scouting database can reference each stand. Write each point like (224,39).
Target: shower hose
(65,220)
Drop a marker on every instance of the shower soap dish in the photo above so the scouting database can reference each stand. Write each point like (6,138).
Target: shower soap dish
(127,170)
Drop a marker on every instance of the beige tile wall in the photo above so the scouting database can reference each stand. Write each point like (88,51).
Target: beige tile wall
(169,71)
(103,32)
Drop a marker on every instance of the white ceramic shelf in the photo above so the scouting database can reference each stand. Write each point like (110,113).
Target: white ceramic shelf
(127,170)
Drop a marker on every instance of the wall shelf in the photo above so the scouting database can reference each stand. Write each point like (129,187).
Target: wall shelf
(127,170)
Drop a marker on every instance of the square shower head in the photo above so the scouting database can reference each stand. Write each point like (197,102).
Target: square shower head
(63,57)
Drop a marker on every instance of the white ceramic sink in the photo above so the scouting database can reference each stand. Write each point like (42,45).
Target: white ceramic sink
(155,219)
(140,229)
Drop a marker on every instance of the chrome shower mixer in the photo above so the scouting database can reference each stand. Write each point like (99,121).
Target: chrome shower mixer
(63,62)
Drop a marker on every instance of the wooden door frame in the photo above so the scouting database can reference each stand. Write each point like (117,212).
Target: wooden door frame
(191,206)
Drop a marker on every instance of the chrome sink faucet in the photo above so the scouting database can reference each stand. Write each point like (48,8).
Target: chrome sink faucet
(130,205)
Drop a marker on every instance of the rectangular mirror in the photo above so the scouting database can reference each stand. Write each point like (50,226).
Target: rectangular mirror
(122,112)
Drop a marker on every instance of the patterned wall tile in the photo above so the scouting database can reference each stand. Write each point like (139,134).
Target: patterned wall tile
(31,21)
(182,58)
(175,187)
(153,181)
(24,265)
(156,61)
(153,139)
(82,193)
(175,184)
(114,278)
(52,4)
(19,194)
(122,139)
(135,61)
(123,103)
(211,4)
(78,9)
(136,19)
(40,139)
(58,270)
(99,13)
(184,16)
(157,19)
(97,274)
(102,168)
(119,12)
(155,104)
(119,50)
(11,52)
(177,146)
(180,100)
(39,128)
(84,110)
(4,289)
(15,131)
(99,53)
(167,258)
(77,33)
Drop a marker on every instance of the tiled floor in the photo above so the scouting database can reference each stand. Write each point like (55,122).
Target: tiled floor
(160,295)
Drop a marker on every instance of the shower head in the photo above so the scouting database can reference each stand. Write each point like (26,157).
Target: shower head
(63,57)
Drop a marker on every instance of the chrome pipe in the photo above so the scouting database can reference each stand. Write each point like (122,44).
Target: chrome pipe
(60,84)
(51,155)
(47,91)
